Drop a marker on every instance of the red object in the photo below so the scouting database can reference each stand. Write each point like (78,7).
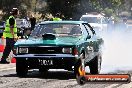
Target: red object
(13,60)
(2,47)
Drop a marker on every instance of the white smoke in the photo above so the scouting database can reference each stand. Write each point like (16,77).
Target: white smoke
(117,52)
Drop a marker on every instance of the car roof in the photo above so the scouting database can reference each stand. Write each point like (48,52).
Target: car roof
(91,15)
(65,22)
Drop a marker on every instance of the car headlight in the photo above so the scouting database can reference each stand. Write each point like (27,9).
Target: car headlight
(23,50)
(67,50)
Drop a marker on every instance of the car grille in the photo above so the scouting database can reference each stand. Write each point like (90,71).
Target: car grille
(45,50)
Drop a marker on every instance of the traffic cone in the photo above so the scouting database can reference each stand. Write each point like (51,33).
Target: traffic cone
(13,60)
(2,46)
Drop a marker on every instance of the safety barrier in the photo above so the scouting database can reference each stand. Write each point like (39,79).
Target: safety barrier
(13,60)
(2,45)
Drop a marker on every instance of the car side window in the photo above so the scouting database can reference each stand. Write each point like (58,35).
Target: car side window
(88,30)
(85,32)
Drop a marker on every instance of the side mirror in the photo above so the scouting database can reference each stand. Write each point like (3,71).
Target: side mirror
(88,37)
(93,31)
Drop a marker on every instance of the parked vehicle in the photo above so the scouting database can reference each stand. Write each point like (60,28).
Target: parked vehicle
(2,27)
(23,23)
(129,24)
(97,21)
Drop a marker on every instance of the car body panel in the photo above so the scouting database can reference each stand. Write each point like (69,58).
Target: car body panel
(58,41)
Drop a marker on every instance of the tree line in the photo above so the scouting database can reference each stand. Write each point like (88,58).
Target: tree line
(67,8)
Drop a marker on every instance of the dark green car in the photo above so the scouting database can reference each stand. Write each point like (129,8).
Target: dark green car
(59,45)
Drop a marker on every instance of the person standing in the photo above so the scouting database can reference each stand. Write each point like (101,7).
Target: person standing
(33,22)
(57,17)
(10,34)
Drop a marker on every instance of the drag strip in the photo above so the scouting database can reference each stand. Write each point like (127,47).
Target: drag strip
(51,79)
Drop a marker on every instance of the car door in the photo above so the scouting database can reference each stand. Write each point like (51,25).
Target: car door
(91,44)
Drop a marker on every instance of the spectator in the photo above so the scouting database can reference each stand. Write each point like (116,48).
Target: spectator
(33,22)
(10,33)
(57,17)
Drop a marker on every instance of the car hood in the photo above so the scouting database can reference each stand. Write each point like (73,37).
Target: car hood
(57,41)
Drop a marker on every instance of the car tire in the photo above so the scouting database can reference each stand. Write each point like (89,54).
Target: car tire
(76,67)
(95,65)
(21,67)
(81,80)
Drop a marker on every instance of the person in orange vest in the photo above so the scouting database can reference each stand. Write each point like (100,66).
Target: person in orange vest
(10,34)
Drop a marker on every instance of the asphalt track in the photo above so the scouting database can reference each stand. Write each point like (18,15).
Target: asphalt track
(64,79)
(51,79)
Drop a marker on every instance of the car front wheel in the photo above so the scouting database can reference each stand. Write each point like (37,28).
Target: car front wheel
(21,67)
(78,65)
(76,68)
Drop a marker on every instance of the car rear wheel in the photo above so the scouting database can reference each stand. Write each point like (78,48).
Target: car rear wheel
(21,67)
(95,65)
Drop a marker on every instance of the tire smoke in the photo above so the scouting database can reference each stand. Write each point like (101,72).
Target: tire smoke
(117,52)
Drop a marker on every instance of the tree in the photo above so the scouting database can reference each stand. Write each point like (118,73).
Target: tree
(64,7)
(67,8)
(75,8)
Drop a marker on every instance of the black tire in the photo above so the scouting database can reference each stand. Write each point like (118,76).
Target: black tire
(95,65)
(21,67)
(78,64)
(81,80)
(76,67)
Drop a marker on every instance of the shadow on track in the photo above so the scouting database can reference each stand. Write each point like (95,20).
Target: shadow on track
(62,75)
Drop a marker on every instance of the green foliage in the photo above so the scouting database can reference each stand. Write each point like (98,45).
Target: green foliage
(67,8)
(108,12)
(75,8)
(64,7)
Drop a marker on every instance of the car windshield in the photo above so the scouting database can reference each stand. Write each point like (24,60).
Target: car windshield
(60,29)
